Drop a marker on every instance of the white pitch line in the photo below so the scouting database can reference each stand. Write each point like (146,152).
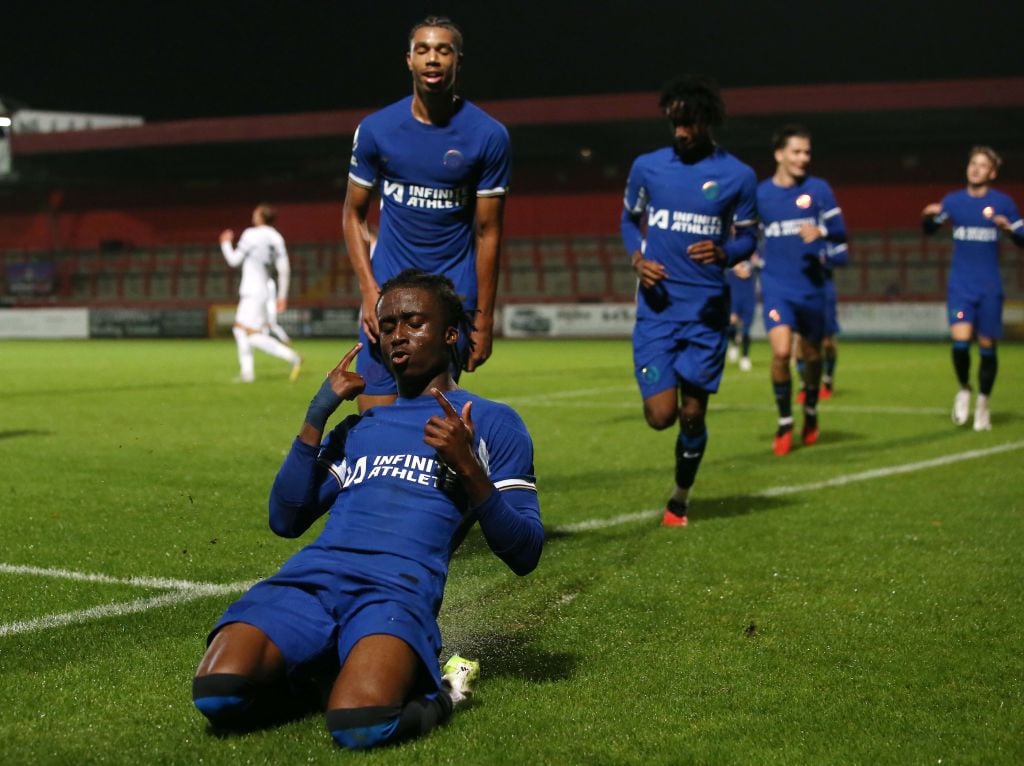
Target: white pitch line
(838,481)
(160,583)
(880,473)
(119,609)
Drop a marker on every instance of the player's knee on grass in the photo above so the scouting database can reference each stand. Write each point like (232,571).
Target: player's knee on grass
(226,699)
(366,727)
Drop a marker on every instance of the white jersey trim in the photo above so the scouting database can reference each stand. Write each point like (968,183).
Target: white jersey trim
(361,181)
(830,213)
(505,484)
(497,191)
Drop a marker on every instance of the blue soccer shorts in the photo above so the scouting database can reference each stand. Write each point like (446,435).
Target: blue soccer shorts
(309,612)
(984,311)
(666,352)
(804,314)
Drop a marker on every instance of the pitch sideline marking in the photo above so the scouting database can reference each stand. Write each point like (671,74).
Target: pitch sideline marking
(182,591)
(838,481)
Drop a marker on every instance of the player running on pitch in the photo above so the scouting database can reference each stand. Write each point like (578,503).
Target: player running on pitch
(260,247)
(799,216)
(401,486)
(680,204)
(974,296)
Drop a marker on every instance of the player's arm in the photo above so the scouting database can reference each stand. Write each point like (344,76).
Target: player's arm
(648,271)
(234,256)
(354,223)
(1011,223)
(831,223)
(284,271)
(303,490)
(932,217)
(509,515)
(488,227)
(743,241)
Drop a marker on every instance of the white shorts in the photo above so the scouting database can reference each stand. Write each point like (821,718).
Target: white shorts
(252,313)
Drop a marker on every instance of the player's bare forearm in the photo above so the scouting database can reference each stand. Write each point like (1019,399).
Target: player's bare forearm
(489,224)
(357,204)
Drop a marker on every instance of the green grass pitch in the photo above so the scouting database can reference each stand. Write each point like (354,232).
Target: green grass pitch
(878,619)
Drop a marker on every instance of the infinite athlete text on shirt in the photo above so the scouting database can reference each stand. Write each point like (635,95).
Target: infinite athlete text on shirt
(788,228)
(976,233)
(685,222)
(427,197)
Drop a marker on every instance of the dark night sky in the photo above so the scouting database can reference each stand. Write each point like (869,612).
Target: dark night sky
(173,60)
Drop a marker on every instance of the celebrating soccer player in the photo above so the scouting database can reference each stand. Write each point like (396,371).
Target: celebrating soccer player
(401,485)
(799,219)
(974,294)
(681,203)
(441,166)
(260,247)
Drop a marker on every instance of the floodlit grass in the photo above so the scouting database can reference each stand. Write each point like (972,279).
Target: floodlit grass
(878,621)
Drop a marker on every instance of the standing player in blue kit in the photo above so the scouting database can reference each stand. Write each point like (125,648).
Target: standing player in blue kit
(401,485)
(799,218)
(974,298)
(681,203)
(441,168)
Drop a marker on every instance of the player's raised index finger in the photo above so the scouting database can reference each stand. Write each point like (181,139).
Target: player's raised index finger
(443,401)
(347,359)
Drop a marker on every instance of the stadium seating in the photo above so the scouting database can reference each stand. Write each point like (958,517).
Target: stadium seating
(884,265)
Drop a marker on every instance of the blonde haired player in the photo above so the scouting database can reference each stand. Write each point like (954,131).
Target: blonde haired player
(259,247)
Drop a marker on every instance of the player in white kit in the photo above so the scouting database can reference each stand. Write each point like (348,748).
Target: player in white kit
(259,247)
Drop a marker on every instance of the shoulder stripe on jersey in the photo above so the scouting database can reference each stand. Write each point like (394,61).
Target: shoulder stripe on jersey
(830,213)
(360,181)
(515,484)
(497,191)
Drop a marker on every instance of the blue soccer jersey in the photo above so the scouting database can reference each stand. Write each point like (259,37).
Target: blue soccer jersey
(670,205)
(429,177)
(380,564)
(793,268)
(975,267)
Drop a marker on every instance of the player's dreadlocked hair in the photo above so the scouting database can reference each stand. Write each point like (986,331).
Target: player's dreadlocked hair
(781,136)
(444,290)
(693,99)
(445,23)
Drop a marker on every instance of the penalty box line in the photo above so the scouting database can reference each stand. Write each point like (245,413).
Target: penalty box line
(838,481)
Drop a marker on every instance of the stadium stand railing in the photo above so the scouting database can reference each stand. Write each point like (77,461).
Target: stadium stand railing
(884,266)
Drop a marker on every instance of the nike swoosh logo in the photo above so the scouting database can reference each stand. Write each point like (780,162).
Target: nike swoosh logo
(690,455)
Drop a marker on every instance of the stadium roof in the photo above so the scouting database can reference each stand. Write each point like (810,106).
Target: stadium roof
(773,101)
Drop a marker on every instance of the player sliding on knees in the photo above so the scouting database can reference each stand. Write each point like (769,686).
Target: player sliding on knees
(401,485)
